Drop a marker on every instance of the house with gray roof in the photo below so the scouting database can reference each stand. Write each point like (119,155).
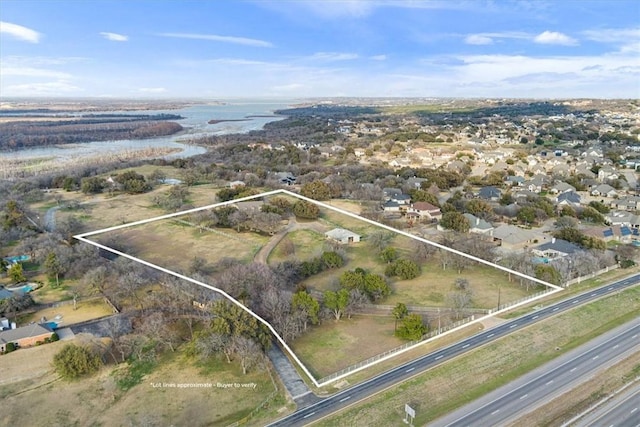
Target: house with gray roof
(25,336)
(556,248)
(478,225)
(510,237)
(604,190)
(562,187)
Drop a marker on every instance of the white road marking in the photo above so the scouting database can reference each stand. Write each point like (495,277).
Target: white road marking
(573,302)
(616,346)
(594,357)
(593,295)
(535,317)
(410,369)
(346,398)
(556,309)
(549,382)
(610,288)
(490,335)
(439,357)
(633,410)
(465,346)
(573,369)
(495,412)
(524,396)
(308,415)
(512,326)
(634,336)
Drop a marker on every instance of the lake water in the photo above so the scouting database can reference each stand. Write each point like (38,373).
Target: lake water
(195,122)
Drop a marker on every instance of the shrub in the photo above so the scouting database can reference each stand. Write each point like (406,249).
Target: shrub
(74,361)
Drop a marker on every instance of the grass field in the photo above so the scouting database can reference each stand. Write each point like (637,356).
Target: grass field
(457,382)
(307,244)
(86,310)
(174,245)
(34,396)
(333,346)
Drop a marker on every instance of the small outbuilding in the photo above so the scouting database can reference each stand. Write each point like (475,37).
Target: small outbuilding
(343,236)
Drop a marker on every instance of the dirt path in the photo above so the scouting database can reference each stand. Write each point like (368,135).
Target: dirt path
(263,254)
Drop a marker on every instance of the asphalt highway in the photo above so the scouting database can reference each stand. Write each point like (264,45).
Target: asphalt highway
(623,411)
(507,404)
(347,397)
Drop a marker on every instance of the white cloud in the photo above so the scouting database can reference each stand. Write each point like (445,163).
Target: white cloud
(553,37)
(623,35)
(32,72)
(114,37)
(217,38)
(38,89)
(333,56)
(378,57)
(478,39)
(19,32)
(152,90)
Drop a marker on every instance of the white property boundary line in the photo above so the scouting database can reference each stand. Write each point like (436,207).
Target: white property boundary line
(83,237)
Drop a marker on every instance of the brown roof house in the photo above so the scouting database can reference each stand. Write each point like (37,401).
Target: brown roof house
(24,336)
(424,210)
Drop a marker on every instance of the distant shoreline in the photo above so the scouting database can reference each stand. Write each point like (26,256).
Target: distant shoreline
(216,121)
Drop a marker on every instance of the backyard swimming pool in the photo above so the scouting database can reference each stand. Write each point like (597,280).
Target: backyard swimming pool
(15,259)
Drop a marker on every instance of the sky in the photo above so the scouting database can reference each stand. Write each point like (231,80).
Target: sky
(300,49)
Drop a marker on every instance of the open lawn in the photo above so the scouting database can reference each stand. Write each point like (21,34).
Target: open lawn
(450,386)
(434,284)
(87,310)
(174,245)
(333,346)
(161,398)
(307,244)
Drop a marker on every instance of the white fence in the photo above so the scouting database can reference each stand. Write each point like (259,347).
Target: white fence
(590,276)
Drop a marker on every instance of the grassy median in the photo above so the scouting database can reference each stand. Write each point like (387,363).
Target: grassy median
(468,377)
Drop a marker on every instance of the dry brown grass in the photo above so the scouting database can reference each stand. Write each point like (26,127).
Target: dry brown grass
(174,245)
(333,346)
(450,385)
(87,310)
(32,395)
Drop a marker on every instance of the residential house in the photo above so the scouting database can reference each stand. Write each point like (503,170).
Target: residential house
(415,182)
(570,198)
(556,248)
(535,184)
(604,190)
(286,178)
(489,193)
(510,237)
(478,225)
(561,187)
(251,206)
(236,184)
(629,203)
(391,192)
(514,181)
(424,210)
(623,218)
(25,336)
(618,233)
(343,236)
(391,206)
(607,173)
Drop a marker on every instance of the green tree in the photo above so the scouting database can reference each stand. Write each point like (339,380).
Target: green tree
(352,279)
(54,267)
(412,328)
(337,302)
(306,210)
(332,260)
(420,195)
(389,255)
(399,312)
(548,273)
(307,305)
(454,221)
(376,287)
(527,215)
(317,190)
(75,361)
(590,214)
(93,185)
(16,273)
(406,269)
(479,208)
